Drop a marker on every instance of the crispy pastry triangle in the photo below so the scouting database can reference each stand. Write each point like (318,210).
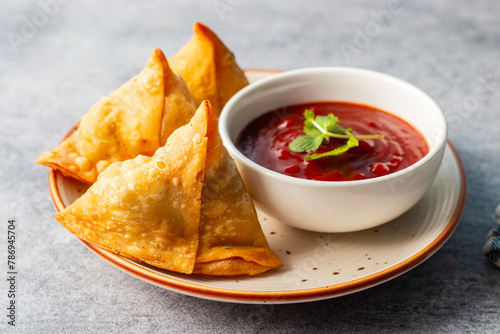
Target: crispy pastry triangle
(231,239)
(137,118)
(148,208)
(209,68)
(158,210)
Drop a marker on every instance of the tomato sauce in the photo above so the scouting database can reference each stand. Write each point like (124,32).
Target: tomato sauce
(265,141)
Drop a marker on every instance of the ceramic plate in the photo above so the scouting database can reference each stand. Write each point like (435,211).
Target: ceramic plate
(316,265)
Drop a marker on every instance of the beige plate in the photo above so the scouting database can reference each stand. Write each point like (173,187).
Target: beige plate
(316,265)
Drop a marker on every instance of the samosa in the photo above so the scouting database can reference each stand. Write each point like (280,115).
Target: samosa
(148,208)
(209,68)
(231,239)
(135,119)
(185,209)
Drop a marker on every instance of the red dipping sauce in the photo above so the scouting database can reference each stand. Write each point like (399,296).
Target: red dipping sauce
(265,141)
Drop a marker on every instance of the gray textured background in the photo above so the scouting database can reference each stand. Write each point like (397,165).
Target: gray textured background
(85,49)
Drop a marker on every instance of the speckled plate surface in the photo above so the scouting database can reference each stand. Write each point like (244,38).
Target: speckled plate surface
(316,265)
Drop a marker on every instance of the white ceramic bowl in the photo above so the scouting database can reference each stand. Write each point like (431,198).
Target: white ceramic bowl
(346,205)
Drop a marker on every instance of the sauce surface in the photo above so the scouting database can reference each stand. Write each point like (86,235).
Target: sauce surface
(265,141)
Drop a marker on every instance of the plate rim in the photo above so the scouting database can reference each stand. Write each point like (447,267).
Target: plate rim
(282,296)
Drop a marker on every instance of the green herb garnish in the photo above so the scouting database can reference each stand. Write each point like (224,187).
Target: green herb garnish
(318,128)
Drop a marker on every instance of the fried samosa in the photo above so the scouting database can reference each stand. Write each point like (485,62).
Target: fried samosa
(209,68)
(148,208)
(156,210)
(135,119)
(231,239)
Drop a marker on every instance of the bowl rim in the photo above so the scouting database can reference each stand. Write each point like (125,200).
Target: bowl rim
(439,146)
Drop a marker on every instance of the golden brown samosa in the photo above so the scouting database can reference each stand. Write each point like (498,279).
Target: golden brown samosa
(137,118)
(231,239)
(157,210)
(209,68)
(148,208)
